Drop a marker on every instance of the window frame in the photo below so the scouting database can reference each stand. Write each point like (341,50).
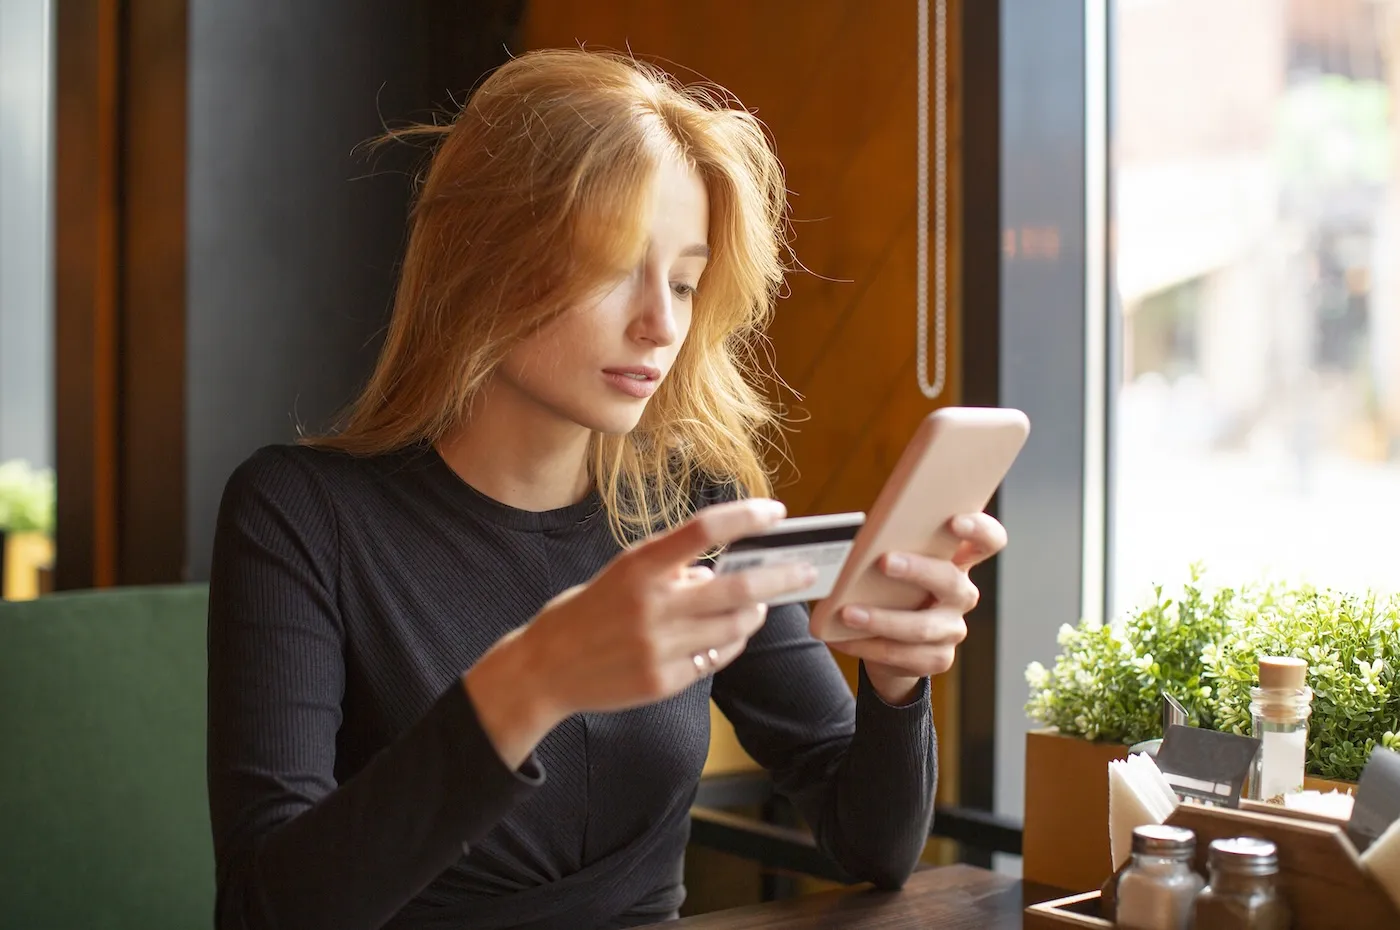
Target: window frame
(1039,333)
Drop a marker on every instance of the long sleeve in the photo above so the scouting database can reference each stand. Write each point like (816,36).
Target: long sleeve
(862,772)
(294,848)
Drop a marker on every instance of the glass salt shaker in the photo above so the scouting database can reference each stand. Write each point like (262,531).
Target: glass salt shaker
(1280,708)
(1158,890)
(1243,890)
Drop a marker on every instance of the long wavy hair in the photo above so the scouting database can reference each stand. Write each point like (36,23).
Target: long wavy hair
(536,194)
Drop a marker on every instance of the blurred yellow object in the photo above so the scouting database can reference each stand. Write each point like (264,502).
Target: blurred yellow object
(726,756)
(25,554)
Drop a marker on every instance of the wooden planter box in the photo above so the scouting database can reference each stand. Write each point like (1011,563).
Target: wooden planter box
(1065,843)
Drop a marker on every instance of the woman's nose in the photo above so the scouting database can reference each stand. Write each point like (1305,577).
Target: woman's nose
(656,318)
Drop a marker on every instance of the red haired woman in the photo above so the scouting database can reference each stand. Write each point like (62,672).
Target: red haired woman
(461,655)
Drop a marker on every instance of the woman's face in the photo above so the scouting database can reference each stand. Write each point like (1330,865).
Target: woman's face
(597,364)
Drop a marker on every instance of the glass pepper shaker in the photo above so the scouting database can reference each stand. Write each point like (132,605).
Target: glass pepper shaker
(1158,890)
(1243,890)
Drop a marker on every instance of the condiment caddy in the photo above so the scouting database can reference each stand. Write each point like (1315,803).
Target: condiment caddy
(1320,875)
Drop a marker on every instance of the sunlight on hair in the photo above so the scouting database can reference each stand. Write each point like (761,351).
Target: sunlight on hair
(535,197)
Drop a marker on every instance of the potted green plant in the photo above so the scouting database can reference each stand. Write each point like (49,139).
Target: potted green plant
(26,507)
(1103,693)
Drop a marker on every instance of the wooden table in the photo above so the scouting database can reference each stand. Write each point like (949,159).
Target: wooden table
(955,897)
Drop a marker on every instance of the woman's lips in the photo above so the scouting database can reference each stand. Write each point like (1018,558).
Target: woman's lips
(639,382)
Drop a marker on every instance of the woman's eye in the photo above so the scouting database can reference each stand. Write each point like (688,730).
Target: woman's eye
(683,291)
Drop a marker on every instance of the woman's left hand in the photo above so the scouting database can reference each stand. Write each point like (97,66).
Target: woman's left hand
(900,647)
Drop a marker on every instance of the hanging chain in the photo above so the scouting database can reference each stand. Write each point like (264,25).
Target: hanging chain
(940,193)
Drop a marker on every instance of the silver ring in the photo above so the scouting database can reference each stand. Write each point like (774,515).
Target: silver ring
(705,662)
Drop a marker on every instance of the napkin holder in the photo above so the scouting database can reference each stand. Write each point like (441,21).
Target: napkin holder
(1320,874)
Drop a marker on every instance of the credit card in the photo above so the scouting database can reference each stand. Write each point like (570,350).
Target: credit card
(823,542)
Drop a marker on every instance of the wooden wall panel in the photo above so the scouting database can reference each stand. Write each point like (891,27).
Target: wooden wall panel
(86,288)
(151,459)
(120,291)
(835,82)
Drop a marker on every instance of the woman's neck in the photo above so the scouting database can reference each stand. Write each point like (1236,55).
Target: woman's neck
(517,453)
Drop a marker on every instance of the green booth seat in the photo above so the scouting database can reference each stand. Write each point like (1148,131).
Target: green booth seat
(104,821)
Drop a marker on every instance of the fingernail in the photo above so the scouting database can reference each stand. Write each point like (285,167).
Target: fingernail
(856,617)
(963,525)
(771,509)
(896,565)
(808,574)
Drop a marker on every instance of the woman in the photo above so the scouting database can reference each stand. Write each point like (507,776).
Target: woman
(461,654)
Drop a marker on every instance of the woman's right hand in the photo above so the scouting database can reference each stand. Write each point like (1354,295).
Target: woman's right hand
(632,634)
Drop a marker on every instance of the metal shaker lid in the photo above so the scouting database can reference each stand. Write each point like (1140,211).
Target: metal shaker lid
(1159,839)
(1244,855)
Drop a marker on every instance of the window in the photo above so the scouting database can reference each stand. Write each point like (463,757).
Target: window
(26,314)
(1256,199)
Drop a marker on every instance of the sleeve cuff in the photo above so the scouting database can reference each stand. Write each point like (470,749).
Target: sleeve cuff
(481,775)
(869,702)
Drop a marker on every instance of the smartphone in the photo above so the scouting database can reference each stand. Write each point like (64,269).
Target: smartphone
(954,463)
(822,541)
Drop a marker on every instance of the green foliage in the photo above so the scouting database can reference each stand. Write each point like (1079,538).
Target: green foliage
(1204,650)
(1108,681)
(26,498)
(1352,647)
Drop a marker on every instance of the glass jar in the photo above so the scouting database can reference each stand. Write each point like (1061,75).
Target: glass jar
(1279,710)
(1243,890)
(1158,890)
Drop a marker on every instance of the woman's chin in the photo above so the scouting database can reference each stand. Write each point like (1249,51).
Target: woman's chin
(618,421)
(616,426)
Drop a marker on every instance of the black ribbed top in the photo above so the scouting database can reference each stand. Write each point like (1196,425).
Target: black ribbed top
(351,785)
